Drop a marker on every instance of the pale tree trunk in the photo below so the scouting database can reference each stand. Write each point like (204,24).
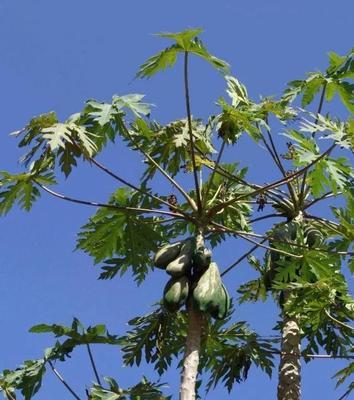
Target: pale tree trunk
(289,385)
(191,357)
(192,348)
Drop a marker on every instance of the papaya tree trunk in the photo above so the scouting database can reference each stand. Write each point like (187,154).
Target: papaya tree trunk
(289,385)
(191,357)
(192,347)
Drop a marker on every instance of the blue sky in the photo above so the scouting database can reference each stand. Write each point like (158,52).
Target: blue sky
(54,56)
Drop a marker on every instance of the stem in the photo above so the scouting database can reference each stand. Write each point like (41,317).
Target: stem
(112,206)
(338,322)
(325,196)
(56,373)
(93,364)
(243,236)
(214,169)
(163,172)
(226,174)
(249,252)
(192,347)
(289,385)
(118,178)
(8,394)
(190,130)
(303,183)
(266,217)
(273,185)
(277,161)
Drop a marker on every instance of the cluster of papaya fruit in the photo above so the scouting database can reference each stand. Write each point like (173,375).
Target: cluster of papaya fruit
(193,276)
(286,233)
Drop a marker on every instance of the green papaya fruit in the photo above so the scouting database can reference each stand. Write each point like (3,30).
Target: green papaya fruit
(210,294)
(222,308)
(175,293)
(166,254)
(314,237)
(202,259)
(180,265)
(285,232)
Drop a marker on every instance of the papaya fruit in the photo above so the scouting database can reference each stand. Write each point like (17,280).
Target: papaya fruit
(166,254)
(179,266)
(201,259)
(175,293)
(210,295)
(313,236)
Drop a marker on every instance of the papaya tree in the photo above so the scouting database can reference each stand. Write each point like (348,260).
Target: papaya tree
(140,228)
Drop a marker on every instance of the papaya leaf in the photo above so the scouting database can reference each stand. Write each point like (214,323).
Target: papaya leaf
(158,337)
(342,375)
(229,351)
(186,41)
(27,378)
(21,189)
(143,390)
(125,239)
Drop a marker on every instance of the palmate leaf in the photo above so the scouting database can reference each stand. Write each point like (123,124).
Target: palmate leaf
(143,390)
(169,145)
(158,337)
(244,115)
(21,189)
(58,135)
(227,352)
(27,378)
(82,135)
(124,239)
(222,190)
(341,132)
(186,41)
(342,375)
(340,68)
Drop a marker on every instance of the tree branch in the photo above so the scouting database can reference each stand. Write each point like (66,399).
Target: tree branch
(303,183)
(272,185)
(249,252)
(190,130)
(338,322)
(112,206)
(226,174)
(56,373)
(327,195)
(163,172)
(215,168)
(132,186)
(277,161)
(93,364)
(243,236)
(266,217)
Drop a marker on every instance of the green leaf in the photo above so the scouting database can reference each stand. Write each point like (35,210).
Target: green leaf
(110,235)
(183,38)
(186,41)
(159,62)
(143,390)
(133,103)
(21,189)
(27,378)
(158,336)
(311,88)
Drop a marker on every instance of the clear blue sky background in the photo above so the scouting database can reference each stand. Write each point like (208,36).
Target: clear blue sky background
(56,54)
